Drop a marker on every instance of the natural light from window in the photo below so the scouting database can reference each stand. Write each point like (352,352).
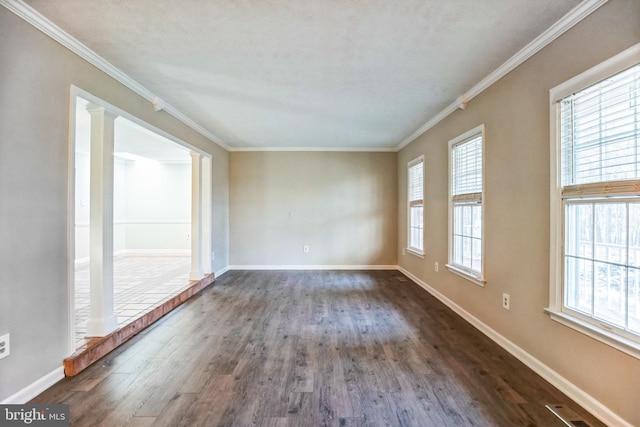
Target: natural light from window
(600,171)
(416,205)
(466,204)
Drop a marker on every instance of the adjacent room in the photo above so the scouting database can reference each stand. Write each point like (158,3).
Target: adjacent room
(422,213)
(151,220)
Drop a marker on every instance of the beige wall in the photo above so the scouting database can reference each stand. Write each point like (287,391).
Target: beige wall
(515,111)
(343,205)
(35,78)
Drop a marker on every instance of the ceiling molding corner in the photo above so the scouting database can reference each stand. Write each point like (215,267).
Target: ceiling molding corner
(573,17)
(37,20)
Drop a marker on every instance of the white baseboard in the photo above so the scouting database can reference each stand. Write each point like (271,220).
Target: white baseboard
(35,388)
(222,271)
(81,262)
(313,267)
(142,252)
(154,252)
(582,398)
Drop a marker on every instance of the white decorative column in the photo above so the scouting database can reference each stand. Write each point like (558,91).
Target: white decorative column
(102,319)
(196,214)
(206,215)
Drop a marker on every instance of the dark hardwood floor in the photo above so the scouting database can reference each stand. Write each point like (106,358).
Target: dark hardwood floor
(310,348)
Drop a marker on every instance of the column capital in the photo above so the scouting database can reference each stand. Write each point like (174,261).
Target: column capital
(99,109)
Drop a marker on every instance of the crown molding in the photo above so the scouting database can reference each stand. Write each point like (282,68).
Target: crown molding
(33,17)
(574,16)
(195,126)
(625,59)
(319,149)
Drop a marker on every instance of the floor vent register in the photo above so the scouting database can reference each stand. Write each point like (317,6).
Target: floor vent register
(567,415)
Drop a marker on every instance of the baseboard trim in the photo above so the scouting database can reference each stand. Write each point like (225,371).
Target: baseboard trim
(35,388)
(222,271)
(141,252)
(312,267)
(154,252)
(81,262)
(582,398)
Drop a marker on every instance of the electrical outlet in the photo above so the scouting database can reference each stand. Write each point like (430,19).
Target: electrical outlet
(506,302)
(5,349)
(436,267)
(305,248)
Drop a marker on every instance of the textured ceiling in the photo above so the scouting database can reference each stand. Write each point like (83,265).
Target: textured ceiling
(325,73)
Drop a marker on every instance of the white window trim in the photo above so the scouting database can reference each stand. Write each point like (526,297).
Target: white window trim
(456,269)
(469,275)
(409,249)
(415,252)
(602,332)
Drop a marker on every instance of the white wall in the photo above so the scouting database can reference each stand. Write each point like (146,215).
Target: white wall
(83,194)
(119,205)
(152,205)
(158,205)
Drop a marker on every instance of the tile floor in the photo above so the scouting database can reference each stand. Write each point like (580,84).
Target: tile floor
(140,284)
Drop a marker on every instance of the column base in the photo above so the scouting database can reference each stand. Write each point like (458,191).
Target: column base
(196,275)
(102,326)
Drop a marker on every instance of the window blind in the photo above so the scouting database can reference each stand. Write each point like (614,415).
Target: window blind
(416,181)
(600,134)
(466,179)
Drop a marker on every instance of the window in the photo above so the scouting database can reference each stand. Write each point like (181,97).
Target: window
(416,205)
(596,234)
(466,205)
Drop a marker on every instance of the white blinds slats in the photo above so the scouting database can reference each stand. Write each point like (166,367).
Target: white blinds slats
(467,167)
(600,132)
(416,184)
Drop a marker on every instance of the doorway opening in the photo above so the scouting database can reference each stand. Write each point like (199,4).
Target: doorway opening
(132,232)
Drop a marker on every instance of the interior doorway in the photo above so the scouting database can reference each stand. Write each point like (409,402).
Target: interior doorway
(151,226)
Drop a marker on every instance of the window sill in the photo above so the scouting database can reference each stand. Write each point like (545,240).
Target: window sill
(465,274)
(414,252)
(618,342)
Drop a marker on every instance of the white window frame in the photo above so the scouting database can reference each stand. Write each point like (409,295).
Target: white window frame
(414,250)
(589,326)
(476,277)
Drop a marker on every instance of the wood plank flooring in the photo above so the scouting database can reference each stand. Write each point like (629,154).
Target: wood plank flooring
(310,348)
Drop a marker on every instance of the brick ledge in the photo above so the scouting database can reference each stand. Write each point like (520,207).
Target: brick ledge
(97,348)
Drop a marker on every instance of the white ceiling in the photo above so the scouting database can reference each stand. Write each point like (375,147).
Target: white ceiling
(308,74)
